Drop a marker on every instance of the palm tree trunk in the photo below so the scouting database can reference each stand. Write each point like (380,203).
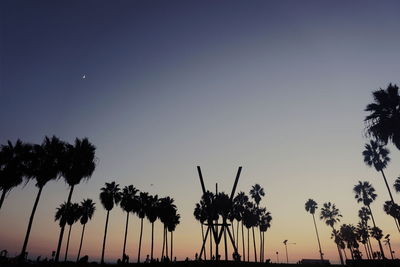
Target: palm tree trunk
(104,240)
(366,252)
(66,250)
(28,231)
(237,235)
(248,244)
(345,254)
(211,236)
(152,241)
(261,248)
(171,243)
(254,242)
(379,241)
(319,243)
(202,235)
(233,232)
(370,249)
(140,239)
(80,246)
(391,251)
(3,196)
(60,238)
(126,234)
(226,247)
(243,247)
(340,253)
(166,242)
(391,197)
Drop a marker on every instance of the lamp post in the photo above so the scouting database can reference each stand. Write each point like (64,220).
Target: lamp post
(277,257)
(286,243)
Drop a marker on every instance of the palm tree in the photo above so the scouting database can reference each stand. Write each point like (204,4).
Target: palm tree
(239,205)
(331,215)
(363,236)
(87,210)
(167,209)
(376,233)
(383,122)
(110,195)
(13,159)
(387,243)
(396,185)
(44,165)
(265,224)
(364,215)
(311,206)
(256,193)
(200,215)
(209,210)
(78,163)
(376,155)
(152,214)
(73,215)
(348,233)
(143,201)
(128,204)
(365,193)
(173,222)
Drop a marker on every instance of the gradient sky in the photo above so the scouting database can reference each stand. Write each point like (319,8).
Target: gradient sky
(277,87)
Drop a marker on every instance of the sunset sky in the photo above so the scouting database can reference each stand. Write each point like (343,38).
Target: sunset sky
(278,87)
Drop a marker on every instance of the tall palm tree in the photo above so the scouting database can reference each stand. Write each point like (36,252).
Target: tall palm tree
(128,204)
(223,205)
(383,122)
(376,233)
(143,202)
(239,203)
(73,215)
(43,166)
(331,215)
(200,216)
(311,206)
(363,236)
(78,163)
(173,222)
(87,210)
(110,195)
(13,159)
(387,243)
(365,215)
(167,209)
(256,193)
(152,214)
(365,193)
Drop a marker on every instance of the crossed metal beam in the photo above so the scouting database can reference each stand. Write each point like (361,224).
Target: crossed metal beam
(214,227)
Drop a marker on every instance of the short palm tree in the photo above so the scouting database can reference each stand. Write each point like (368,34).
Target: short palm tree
(87,210)
(265,224)
(128,204)
(167,209)
(311,206)
(110,195)
(387,243)
(200,216)
(239,205)
(174,220)
(331,215)
(348,233)
(383,122)
(256,193)
(152,215)
(78,163)
(365,193)
(376,233)
(43,166)
(73,215)
(143,202)
(13,159)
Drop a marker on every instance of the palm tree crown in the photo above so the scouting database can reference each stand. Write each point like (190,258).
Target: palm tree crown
(364,192)
(311,206)
(87,210)
(110,195)
(330,214)
(383,122)
(256,192)
(376,155)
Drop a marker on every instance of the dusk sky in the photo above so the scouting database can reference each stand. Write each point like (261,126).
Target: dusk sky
(278,87)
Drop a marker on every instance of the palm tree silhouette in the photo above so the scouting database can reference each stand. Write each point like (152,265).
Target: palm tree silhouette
(73,215)
(365,193)
(143,201)
(87,210)
(78,163)
(200,215)
(239,206)
(174,220)
(348,233)
(331,215)
(311,206)
(110,195)
(43,165)
(364,215)
(376,233)
(377,155)
(13,159)
(363,236)
(256,193)
(152,214)
(128,204)
(387,243)
(167,209)
(392,209)
(265,224)
(383,122)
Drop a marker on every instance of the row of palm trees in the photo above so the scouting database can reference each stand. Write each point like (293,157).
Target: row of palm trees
(214,207)
(144,206)
(51,160)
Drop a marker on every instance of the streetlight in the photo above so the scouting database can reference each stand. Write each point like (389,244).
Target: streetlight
(286,243)
(277,257)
